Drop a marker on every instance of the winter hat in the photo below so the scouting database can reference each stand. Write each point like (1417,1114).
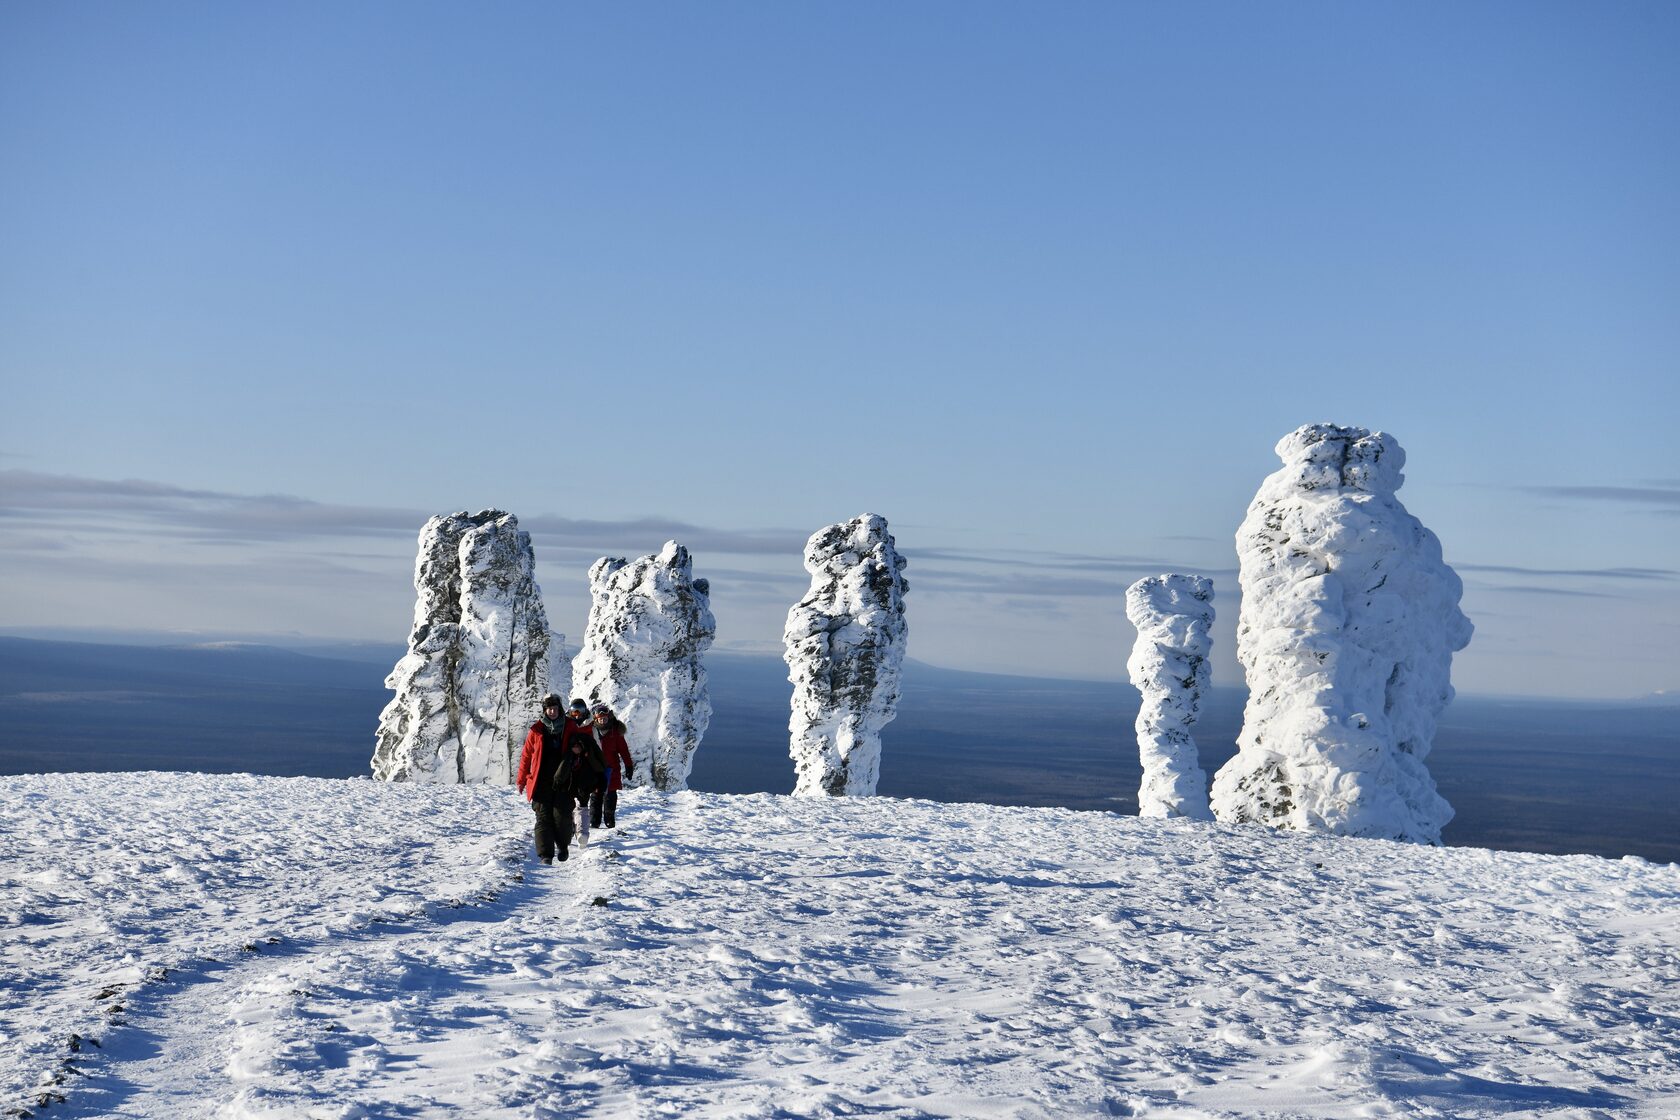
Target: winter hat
(552,699)
(600,708)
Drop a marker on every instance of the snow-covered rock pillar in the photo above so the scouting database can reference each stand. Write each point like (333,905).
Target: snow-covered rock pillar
(559,666)
(1169,666)
(1348,625)
(845,653)
(650,621)
(504,668)
(477,660)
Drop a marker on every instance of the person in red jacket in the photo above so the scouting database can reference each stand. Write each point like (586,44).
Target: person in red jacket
(539,779)
(592,770)
(615,752)
(559,768)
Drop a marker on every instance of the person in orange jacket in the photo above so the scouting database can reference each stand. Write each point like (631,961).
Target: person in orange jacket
(615,752)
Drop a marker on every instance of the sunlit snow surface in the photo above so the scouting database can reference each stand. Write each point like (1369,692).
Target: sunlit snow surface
(773,956)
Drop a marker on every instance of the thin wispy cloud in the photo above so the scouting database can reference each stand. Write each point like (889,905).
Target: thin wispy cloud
(139,509)
(1028,581)
(19,543)
(1561,592)
(1664,497)
(780,581)
(1662,574)
(258,573)
(1064,561)
(636,534)
(208,515)
(239,560)
(28,496)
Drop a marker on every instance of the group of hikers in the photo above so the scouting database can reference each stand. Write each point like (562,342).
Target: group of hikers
(573,764)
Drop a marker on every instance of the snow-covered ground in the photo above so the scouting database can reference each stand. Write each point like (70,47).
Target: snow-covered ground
(180,945)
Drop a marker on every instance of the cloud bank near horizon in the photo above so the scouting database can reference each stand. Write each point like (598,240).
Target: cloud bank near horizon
(262,518)
(30,500)
(1664,495)
(149,555)
(146,555)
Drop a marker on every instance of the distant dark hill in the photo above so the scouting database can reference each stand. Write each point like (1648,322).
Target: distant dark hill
(72,706)
(959,736)
(1523,775)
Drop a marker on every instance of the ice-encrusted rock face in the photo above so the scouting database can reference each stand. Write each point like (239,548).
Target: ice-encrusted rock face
(477,660)
(845,653)
(1348,625)
(559,666)
(650,621)
(1169,666)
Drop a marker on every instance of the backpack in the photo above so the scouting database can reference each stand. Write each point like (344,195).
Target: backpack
(578,774)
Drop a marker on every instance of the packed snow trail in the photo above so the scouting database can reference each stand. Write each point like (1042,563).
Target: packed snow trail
(786,957)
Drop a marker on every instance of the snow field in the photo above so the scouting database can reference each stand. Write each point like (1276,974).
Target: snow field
(110,883)
(789,957)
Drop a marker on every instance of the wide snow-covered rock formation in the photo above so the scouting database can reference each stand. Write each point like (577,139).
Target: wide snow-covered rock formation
(1348,625)
(1169,666)
(477,660)
(650,621)
(845,653)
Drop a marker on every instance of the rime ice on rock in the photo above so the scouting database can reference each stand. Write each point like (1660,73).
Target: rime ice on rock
(559,666)
(477,660)
(1169,666)
(1348,625)
(649,623)
(845,652)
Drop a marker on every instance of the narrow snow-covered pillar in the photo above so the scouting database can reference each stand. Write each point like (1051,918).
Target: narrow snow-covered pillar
(504,664)
(1348,625)
(1169,666)
(845,646)
(650,621)
(559,666)
(477,658)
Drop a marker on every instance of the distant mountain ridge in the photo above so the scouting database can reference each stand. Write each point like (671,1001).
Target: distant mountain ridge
(1522,775)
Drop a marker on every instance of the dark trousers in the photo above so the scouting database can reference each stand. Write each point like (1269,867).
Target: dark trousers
(553,831)
(603,806)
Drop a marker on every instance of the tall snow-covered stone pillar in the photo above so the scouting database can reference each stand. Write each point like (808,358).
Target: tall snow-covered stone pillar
(1169,666)
(477,660)
(559,666)
(845,653)
(1348,625)
(650,621)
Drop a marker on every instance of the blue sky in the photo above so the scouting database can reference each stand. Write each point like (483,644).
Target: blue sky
(1042,284)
